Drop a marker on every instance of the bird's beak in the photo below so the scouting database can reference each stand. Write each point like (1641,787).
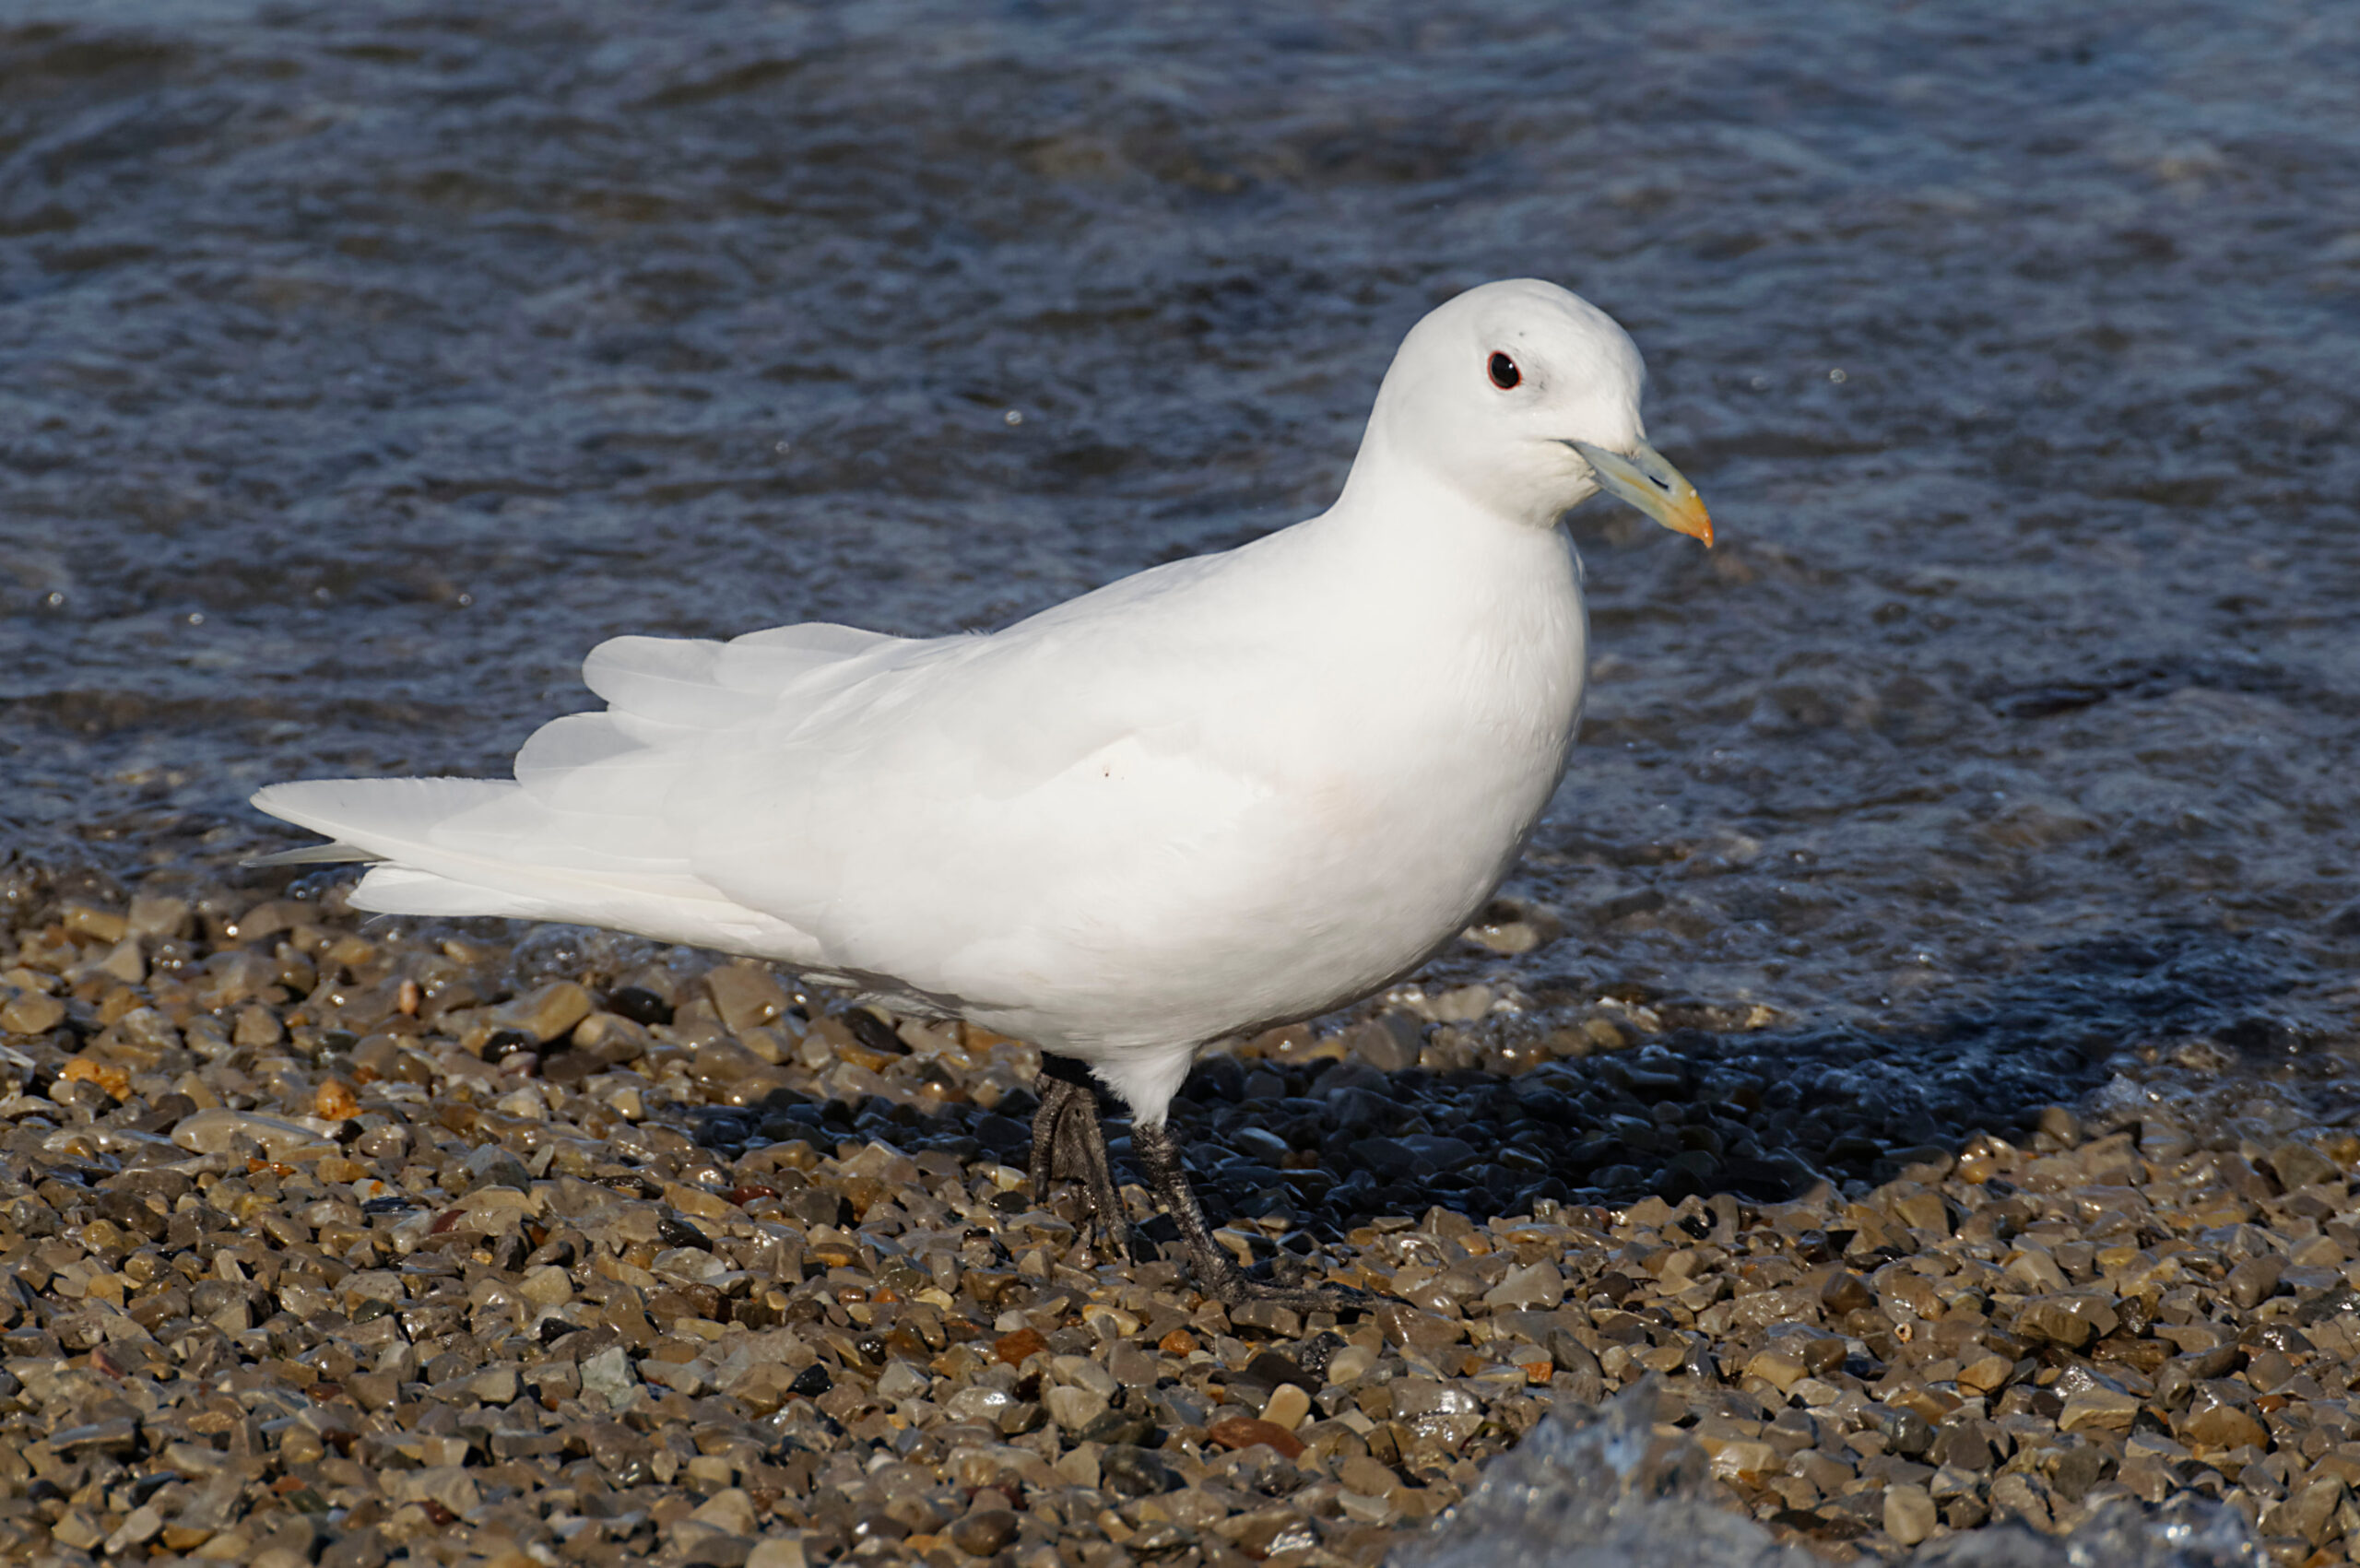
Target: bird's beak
(1642,477)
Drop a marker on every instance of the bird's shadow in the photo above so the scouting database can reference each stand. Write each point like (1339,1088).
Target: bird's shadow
(1327,1145)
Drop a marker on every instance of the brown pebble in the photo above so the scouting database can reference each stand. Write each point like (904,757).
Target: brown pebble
(32,1013)
(983,1532)
(1018,1347)
(1844,1293)
(2069,1319)
(2217,1417)
(1244,1431)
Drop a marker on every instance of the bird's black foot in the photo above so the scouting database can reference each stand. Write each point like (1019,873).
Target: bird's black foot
(1217,1273)
(1068,1145)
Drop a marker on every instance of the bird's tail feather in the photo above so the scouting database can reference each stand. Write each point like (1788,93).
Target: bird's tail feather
(484,846)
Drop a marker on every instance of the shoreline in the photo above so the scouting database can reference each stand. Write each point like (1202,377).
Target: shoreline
(341,1241)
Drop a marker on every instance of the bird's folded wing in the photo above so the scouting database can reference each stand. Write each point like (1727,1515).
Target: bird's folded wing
(962,806)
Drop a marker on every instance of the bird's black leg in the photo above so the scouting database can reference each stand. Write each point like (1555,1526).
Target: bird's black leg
(1068,1144)
(1216,1271)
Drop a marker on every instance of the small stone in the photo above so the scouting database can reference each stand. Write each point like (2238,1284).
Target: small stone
(2217,1418)
(602,1040)
(746,998)
(1163,1535)
(363,1548)
(113,1079)
(546,1286)
(1513,928)
(1532,1287)
(1923,1211)
(117,1436)
(1777,1368)
(1844,1293)
(453,1486)
(1406,1327)
(549,1013)
(899,1380)
(1351,1364)
(1389,1043)
(99,925)
(212,1132)
(2309,1513)
(154,917)
(1743,1456)
(2300,1165)
(1133,1471)
(1244,1432)
(139,1527)
(1269,1316)
(778,1552)
(1909,1516)
(1286,1406)
(2253,1281)
(2070,1320)
(730,1509)
(334,1102)
(373,1390)
(608,1376)
(983,1532)
(690,1377)
(1074,1408)
(1366,1476)
(1986,1375)
(32,1012)
(125,962)
(1112,1323)
(267,918)
(491,1166)
(1019,1347)
(1080,1465)
(1133,1366)
(258,1028)
(2097,1409)
(2016,1496)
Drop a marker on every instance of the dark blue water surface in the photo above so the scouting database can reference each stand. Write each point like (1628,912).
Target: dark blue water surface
(361,364)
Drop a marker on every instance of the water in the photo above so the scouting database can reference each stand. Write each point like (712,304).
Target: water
(1602,1488)
(361,364)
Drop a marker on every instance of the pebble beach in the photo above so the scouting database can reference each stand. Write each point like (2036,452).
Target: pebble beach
(339,1241)
(1903,1108)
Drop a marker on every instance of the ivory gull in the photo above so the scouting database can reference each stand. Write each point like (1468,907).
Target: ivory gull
(1223,794)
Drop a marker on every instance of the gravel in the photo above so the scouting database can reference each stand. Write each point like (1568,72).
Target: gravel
(334,1241)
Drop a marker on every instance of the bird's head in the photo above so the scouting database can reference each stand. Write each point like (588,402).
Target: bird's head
(1525,397)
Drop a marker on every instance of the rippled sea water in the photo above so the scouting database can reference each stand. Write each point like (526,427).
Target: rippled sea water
(362,364)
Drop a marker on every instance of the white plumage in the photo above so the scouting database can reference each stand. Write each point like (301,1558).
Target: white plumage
(1224,793)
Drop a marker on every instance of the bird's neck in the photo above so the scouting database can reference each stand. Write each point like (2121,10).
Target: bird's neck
(1410,505)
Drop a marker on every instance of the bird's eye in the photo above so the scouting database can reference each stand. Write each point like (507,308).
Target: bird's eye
(1504,372)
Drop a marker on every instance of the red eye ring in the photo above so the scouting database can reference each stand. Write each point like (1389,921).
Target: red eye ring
(1504,372)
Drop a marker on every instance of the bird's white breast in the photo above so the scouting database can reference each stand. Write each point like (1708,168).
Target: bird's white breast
(1332,811)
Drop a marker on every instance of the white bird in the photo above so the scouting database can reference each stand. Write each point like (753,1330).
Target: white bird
(1226,793)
